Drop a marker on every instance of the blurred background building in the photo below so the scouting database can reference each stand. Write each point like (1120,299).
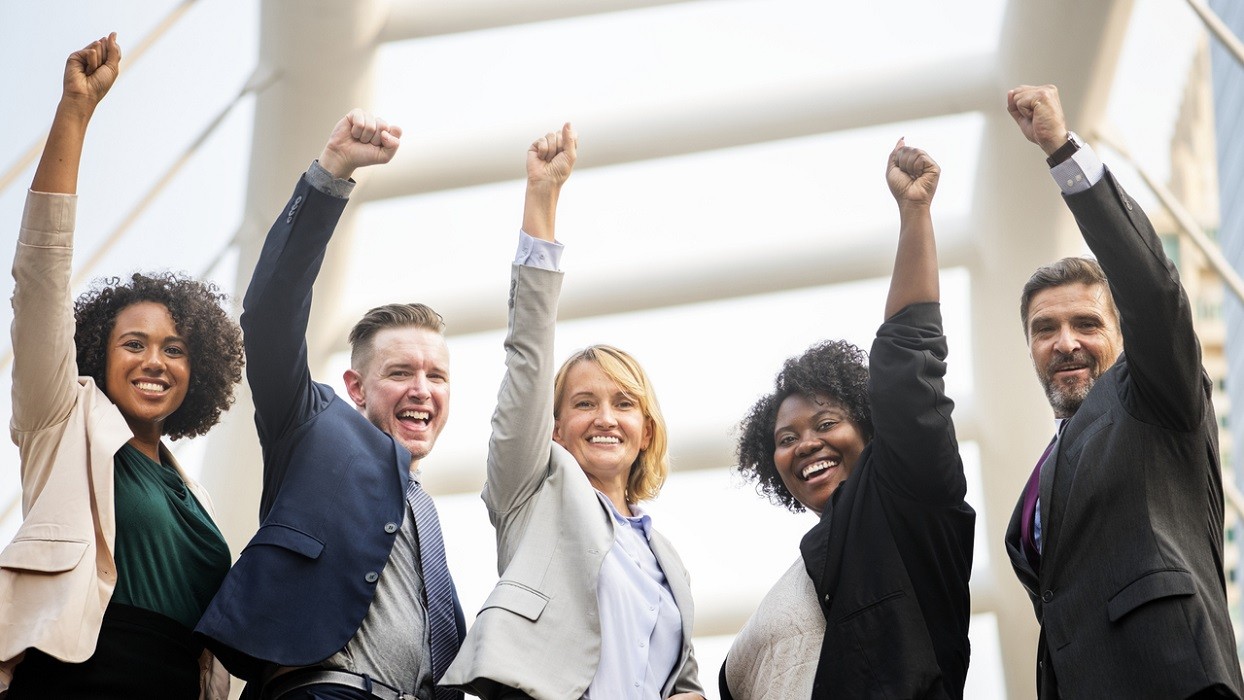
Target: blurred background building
(728,210)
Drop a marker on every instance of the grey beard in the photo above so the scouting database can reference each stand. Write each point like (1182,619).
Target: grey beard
(1066,400)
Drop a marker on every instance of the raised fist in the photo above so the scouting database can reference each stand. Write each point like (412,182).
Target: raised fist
(551,157)
(358,140)
(912,175)
(1039,114)
(91,71)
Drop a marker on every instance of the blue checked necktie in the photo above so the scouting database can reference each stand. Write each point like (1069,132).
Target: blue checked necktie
(438,587)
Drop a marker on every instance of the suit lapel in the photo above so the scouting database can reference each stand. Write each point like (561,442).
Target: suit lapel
(108,433)
(1015,550)
(676,576)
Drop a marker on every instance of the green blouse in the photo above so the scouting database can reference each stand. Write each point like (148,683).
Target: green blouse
(170,556)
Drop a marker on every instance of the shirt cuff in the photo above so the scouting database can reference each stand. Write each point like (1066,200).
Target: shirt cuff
(1079,172)
(533,252)
(322,180)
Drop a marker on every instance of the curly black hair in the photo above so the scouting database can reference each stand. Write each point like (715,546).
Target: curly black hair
(833,368)
(214,340)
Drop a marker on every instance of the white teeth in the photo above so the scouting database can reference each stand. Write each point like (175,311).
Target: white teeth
(417,415)
(150,386)
(816,468)
(603,440)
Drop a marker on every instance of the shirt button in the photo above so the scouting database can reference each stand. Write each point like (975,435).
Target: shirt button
(643,644)
(371,576)
(1048,596)
(390,528)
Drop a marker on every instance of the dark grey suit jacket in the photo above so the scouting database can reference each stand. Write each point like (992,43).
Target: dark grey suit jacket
(1130,592)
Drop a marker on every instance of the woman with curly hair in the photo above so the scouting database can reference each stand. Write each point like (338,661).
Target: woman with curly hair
(877,606)
(117,555)
(592,601)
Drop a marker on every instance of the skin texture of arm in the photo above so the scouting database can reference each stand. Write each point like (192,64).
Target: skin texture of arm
(912,176)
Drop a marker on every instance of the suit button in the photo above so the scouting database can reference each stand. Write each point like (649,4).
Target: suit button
(1048,596)
(371,576)
(390,528)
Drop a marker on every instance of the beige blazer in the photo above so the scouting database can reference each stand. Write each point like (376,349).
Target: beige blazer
(58,574)
(539,629)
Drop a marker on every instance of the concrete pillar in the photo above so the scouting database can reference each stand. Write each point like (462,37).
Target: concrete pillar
(1023,224)
(321,53)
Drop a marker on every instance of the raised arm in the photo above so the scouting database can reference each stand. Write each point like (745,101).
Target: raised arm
(911,412)
(522,425)
(89,74)
(912,176)
(550,159)
(1155,317)
(277,306)
(44,356)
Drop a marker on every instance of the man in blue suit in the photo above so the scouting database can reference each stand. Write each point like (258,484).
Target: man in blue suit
(343,592)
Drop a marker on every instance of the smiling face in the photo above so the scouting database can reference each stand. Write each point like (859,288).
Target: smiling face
(148,367)
(816,447)
(1073,337)
(402,386)
(601,425)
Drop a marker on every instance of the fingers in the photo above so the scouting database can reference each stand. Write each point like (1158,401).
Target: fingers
(366,127)
(912,161)
(1039,113)
(549,146)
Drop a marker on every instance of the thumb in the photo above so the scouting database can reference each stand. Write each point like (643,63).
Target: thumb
(570,141)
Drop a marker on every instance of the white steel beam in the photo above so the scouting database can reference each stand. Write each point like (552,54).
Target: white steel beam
(748,114)
(413,19)
(867,256)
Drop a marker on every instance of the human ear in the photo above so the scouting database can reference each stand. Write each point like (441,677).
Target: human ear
(354,387)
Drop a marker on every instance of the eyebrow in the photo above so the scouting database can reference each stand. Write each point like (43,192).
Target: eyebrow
(144,336)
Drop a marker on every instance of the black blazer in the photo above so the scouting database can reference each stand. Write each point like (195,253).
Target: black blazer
(892,553)
(1130,593)
(333,483)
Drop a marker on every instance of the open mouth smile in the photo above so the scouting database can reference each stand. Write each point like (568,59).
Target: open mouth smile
(811,471)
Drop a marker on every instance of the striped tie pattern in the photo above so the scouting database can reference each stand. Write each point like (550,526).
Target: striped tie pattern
(437,585)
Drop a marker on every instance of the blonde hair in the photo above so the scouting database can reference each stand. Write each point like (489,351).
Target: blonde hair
(652,465)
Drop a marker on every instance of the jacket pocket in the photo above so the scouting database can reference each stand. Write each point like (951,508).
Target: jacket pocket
(44,556)
(1148,588)
(518,599)
(289,538)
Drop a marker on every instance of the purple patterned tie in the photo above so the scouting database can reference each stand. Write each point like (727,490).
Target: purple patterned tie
(1027,517)
(438,587)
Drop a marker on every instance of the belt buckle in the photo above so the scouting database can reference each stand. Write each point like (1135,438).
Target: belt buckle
(406,696)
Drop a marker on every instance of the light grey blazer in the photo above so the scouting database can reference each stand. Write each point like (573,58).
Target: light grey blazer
(539,629)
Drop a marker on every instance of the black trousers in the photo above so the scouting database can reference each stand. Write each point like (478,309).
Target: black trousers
(141,655)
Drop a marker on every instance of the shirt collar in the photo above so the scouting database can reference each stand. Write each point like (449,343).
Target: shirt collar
(641,520)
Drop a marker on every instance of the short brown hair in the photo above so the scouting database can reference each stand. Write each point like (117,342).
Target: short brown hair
(652,465)
(1074,270)
(389,316)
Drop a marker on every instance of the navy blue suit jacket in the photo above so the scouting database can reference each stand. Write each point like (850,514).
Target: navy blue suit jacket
(333,483)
